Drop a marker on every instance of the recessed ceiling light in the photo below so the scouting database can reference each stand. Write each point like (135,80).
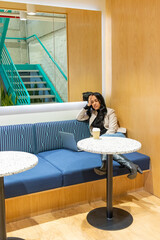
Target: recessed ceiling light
(31,9)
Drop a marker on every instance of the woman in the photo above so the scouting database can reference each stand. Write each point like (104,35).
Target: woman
(105,118)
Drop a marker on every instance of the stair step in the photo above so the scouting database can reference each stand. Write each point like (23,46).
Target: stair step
(40,103)
(27,76)
(34,89)
(42,96)
(27,71)
(38,89)
(37,96)
(31,76)
(40,82)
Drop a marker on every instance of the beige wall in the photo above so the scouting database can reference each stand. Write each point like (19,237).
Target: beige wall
(136,76)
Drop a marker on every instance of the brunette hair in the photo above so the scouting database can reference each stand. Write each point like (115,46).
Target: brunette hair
(103,108)
(86,95)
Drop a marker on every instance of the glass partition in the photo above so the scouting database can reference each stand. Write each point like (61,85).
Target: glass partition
(36,53)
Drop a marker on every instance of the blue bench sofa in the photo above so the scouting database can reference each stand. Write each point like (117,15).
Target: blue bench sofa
(57,167)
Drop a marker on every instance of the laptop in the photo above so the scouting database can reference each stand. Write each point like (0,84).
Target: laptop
(68,141)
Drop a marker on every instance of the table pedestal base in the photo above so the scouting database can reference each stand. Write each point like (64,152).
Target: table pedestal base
(120,220)
(14,238)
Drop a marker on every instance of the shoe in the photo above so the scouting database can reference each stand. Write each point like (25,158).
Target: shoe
(101,170)
(124,162)
(134,171)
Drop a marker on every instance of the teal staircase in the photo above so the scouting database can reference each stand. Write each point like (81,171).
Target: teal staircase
(37,84)
(26,83)
(3,30)
(11,80)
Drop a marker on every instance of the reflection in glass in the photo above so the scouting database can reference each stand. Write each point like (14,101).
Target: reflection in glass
(33,58)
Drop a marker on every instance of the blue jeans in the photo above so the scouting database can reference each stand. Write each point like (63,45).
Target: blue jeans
(117,134)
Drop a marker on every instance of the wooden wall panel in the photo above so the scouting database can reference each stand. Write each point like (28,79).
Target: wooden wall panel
(84,47)
(46,201)
(84,52)
(136,76)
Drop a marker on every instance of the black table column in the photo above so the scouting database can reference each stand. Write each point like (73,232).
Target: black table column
(109,218)
(2,214)
(109,177)
(2,211)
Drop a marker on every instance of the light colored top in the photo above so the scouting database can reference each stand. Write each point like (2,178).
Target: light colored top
(109,122)
(109,145)
(12,162)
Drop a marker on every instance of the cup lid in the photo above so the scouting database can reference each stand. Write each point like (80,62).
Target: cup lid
(96,129)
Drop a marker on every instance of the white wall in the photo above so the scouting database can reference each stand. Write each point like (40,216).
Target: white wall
(39,113)
(54,39)
(17,49)
(80,4)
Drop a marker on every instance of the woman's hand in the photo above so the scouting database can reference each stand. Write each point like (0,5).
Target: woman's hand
(90,101)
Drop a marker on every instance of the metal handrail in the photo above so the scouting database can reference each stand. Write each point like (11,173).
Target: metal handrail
(14,84)
(34,35)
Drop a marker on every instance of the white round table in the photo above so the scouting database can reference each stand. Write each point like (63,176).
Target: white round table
(109,218)
(12,162)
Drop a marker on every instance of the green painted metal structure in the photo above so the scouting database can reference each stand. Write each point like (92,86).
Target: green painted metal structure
(44,77)
(9,71)
(45,49)
(12,80)
(3,30)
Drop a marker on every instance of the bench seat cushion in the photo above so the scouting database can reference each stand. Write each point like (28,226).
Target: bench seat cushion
(78,167)
(43,176)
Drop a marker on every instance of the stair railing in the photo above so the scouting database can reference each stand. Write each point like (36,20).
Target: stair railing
(45,49)
(13,82)
(4,22)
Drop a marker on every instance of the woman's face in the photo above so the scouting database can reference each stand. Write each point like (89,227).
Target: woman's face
(95,103)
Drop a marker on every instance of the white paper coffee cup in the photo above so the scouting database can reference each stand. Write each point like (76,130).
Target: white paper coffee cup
(96,133)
